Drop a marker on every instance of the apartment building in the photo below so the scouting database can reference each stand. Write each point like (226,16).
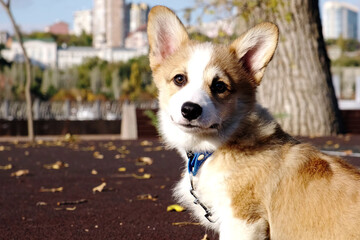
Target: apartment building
(340,19)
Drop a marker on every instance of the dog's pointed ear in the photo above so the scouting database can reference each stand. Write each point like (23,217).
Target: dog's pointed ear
(256,47)
(166,34)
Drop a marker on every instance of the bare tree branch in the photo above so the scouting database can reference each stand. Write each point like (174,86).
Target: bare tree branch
(18,34)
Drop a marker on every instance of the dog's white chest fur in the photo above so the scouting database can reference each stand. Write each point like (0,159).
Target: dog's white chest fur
(211,189)
(209,185)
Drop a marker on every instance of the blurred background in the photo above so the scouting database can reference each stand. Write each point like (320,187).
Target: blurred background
(89,58)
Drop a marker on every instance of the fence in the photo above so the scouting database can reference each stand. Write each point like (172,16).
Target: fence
(346,81)
(68,110)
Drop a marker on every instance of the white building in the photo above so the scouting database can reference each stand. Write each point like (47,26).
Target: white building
(40,52)
(138,15)
(137,39)
(77,55)
(83,21)
(109,27)
(340,19)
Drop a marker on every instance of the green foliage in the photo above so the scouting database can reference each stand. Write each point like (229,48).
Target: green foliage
(153,118)
(68,39)
(346,45)
(345,61)
(94,79)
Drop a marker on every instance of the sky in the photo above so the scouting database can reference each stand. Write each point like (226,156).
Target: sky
(34,15)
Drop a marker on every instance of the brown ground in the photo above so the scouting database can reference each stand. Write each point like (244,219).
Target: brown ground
(29,211)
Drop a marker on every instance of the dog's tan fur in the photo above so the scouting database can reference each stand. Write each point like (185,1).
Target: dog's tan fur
(291,189)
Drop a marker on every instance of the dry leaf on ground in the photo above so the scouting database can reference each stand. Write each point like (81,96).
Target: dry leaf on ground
(118,156)
(175,207)
(329,142)
(70,208)
(146,143)
(67,208)
(6,167)
(144,161)
(71,202)
(185,223)
(146,197)
(59,189)
(4,148)
(20,173)
(145,176)
(159,148)
(122,169)
(99,188)
(41,204)
(94,172)
(154,149)
(205,237)
(56,166)
(98,155)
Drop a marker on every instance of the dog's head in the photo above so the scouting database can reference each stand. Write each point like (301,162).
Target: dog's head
(205,90)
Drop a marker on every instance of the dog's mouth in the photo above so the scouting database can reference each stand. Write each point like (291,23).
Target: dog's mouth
(197,127)
(214,126)
(193,127)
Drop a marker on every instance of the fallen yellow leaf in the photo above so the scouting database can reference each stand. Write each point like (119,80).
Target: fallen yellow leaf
(146,197)
(112,148)
(20,173)
(99,188)
(145,176)
(41,204)
(148,149)
(122,169)
(159,148)
(56,166)
(144,161)
(175,207)
(6,167)
(336,146)
(70,208)
(118,156)
(71,202)
(146,143)
(94,172)
(98,155)
(205,237)
(59,189)
(185,223)
(4,148)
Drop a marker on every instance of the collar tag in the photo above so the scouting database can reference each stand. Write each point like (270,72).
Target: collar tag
(196,160)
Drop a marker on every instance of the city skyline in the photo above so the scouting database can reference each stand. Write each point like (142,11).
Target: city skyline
(35,15)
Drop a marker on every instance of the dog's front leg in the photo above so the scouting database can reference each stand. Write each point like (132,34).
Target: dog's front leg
(238,229)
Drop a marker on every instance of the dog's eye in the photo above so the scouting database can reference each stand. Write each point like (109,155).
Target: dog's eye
(218,87)
(180,80)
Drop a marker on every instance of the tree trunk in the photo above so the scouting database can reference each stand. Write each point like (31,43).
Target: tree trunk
(30,122)
(297,87)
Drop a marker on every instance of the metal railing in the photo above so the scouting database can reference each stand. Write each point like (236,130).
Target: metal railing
(68,110)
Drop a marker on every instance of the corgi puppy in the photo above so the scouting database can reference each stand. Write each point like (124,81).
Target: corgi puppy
(244,176)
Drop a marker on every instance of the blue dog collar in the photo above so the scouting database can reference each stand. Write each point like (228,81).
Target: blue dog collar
(195,160)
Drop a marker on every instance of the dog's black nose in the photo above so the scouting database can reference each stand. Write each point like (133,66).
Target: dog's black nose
(191,110)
